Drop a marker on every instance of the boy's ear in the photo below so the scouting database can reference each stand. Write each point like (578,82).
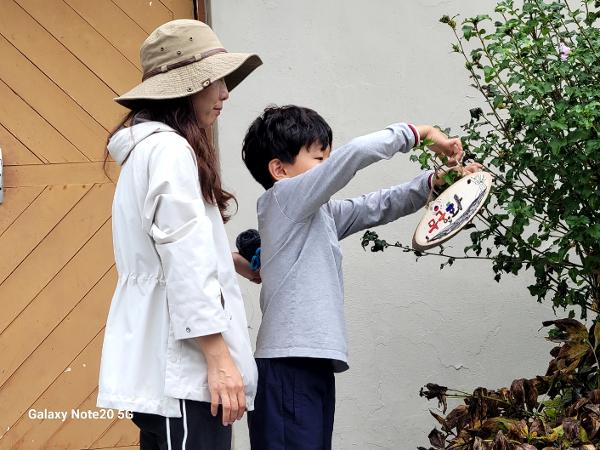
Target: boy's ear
(277,170)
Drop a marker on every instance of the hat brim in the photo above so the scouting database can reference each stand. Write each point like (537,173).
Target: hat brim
(192,78)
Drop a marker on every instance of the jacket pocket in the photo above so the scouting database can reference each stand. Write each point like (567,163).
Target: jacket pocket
(225,306)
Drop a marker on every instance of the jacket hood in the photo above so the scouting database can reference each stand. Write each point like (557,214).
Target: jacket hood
(125,140)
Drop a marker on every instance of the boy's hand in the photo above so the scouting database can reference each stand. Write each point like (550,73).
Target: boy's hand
(443,145)
(462,171)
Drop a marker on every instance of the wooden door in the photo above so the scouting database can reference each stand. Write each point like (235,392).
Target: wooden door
(63,61)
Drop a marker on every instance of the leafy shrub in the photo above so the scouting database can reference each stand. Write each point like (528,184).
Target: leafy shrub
(537,68)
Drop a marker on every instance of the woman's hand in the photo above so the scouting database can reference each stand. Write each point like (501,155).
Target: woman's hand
(242,267)
(224,379)
(443,145)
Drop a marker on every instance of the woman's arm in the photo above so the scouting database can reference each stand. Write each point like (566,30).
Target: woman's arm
(224,379)
(175,218)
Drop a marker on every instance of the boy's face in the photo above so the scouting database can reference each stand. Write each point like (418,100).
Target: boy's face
(307,158)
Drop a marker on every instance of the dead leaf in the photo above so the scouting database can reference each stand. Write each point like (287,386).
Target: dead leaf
(517,391)
(437,438)
(518,430)
(594,396)
(591,424)
(573,352)
(440,420)
(531,395)
(537,428)
(478,444)
(501,443)
(524,392)
(482,405)
(571,329)
(596,335)
(432,390)
(571,428)
(458,418)
(499,424)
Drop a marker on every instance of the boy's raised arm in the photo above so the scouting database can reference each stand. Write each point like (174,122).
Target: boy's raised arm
(386,205)
(302,195)
(380,207)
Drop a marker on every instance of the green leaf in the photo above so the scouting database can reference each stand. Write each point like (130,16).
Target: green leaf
(468,31)
(559,125)
(489,73)
(594,231)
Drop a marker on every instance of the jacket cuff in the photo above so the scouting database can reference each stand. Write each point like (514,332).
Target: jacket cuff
(192,327)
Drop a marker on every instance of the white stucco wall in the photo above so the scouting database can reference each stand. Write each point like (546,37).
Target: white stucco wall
(363,65)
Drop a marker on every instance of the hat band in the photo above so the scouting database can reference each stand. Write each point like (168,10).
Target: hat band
(185,62)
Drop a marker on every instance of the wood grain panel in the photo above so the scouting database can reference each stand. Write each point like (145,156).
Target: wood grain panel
(57,174)
(121,432)
(52,357)
(51,102)
(79,433)
(181,9)
(148,14)
(59,64)
(14,152)
(35,223)
(33,130)
(90,47)
(59,296)
(111,22)
(127,447)
(66,61)
(52,269)
(65,392)
(16,200)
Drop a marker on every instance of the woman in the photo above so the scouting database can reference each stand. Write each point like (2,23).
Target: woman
(176,343)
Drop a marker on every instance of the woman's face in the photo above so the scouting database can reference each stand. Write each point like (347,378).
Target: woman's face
(209,102)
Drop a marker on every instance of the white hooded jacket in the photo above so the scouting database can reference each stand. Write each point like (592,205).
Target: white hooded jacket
(176,280)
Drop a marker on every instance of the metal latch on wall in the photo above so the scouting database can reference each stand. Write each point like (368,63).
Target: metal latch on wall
(1,178)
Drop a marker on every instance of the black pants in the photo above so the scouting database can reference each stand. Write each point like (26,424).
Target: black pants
(294,406)
(197,429)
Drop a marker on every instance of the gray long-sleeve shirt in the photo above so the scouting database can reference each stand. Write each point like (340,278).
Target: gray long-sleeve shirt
(302,296)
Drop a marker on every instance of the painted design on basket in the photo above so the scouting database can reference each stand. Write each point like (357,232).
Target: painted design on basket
(448,217)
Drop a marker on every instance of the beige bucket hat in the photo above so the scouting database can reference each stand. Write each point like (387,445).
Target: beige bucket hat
(182,57)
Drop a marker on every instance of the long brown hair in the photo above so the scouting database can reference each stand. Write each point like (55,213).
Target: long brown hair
(179,114)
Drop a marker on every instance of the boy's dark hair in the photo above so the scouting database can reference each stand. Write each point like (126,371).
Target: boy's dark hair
(279,133)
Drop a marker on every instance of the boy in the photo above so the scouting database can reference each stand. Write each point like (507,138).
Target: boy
(301,341)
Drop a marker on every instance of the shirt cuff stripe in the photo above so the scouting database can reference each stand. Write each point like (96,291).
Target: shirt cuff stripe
(416,133)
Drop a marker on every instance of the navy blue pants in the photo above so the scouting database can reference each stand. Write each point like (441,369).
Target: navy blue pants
(197,429)
(294,406)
